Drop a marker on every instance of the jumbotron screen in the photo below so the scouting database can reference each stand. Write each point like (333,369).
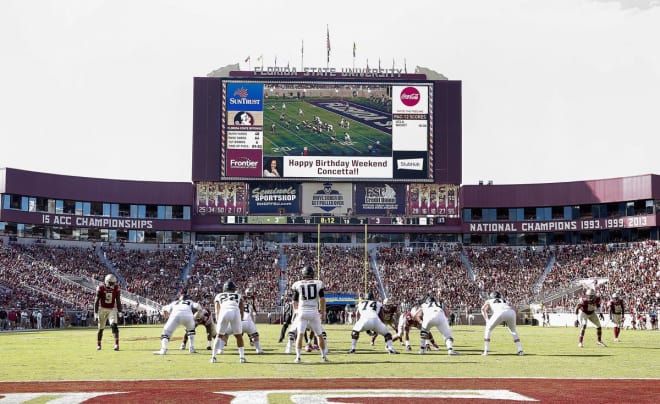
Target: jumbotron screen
(337,127)
(326,130)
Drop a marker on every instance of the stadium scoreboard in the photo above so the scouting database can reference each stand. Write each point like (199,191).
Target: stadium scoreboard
(333,220)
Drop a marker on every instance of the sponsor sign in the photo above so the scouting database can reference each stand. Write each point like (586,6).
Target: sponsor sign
(329,198)
(380,199)
(270,197)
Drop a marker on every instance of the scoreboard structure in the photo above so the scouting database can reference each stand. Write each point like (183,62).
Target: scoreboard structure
(326,148)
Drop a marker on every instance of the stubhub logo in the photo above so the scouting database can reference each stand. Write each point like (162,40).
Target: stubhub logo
(410,164)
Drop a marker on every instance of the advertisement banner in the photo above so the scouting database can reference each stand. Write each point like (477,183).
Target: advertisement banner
(329,198)
(380,199)
(278,198)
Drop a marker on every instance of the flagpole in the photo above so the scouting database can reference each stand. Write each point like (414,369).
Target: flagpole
(327,30)
(302,55)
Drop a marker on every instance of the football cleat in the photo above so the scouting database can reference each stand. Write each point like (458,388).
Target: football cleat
(308,348)
(435,347)
(451,352)
(521,353)
(242,360)
(408,348)
(161,352)
(580,345)
(213,359)
(484,353)
(116,347)
(616,340)
(422,351)
(260,352)
(324,358)
(182,347)
(351,351)
(208,347)
(297,360)
(392,352)
(98,347)
(287,350)
(601,343)
(192,350)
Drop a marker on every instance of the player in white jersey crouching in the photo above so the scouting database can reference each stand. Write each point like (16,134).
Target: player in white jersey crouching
(179,312)
(370,319)
(502,312)
(432,314)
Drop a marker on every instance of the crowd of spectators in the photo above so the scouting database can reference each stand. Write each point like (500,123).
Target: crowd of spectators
(31,275)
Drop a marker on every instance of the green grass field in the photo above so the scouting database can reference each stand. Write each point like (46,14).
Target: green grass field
(70,354)
(289,140)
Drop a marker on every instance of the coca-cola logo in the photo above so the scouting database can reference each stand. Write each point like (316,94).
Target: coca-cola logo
(410,96)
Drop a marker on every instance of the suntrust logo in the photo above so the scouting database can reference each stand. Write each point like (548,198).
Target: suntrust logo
(243,163)
(410,96)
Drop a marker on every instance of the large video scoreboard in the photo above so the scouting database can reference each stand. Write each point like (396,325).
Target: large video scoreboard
(395,128)
(327,148)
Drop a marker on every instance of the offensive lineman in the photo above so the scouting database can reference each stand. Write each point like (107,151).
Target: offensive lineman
(309,306)
(432,314)
(107,308)
(502,313)
(370,318)
(205,318)
(179,312)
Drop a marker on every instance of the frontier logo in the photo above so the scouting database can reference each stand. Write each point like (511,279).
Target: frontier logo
(410,96)
(243,163)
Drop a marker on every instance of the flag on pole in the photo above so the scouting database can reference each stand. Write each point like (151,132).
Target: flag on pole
(328,41)
(378,63)
(260,58)
(247,59)
(405,66)
(354,49)
(302,47)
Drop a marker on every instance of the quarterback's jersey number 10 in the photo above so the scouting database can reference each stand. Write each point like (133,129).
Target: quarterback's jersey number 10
(308,291)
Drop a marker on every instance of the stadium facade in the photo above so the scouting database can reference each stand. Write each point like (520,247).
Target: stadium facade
(300,157)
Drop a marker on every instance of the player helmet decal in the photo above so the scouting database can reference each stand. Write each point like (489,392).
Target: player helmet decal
(308,272)
(386,301)
(110,280)
(615,295)
(249,292)
(495,295)
(590,292)
(229,286)
(370,296)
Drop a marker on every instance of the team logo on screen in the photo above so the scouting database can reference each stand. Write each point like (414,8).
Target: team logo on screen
(410,96)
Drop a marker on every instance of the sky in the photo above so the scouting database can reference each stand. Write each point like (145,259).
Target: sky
(553,90)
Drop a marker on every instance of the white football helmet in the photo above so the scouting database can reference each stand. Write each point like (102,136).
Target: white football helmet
(110,280)
(590,292)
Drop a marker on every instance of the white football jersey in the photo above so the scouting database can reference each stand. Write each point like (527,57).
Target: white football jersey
(369,308)
(228,300)
(498,304)
(307,293)
(180,306)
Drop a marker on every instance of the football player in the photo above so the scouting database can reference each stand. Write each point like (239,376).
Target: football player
(617,311)
(502,313)
(406,322)
(179,312)
(248,323)
(585,311)
(107,308)
(228,308)
(205,318)
(309,305)
(432,314)
(369,318)
(389,317)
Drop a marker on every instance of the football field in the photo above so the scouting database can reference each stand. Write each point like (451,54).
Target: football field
(289,130)
(553,369)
